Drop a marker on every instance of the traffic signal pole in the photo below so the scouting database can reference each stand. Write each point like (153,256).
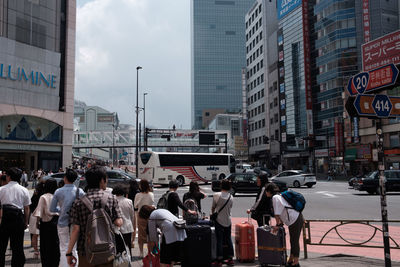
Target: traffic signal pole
(381,166)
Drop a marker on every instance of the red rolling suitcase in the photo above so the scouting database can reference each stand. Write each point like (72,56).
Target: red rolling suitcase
(244,241)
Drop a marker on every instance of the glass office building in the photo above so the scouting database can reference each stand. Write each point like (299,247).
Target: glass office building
(37,68)
(336,61)
(217,56)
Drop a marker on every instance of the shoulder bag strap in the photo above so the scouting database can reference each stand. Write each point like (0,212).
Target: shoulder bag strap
(86,201)
(225,203)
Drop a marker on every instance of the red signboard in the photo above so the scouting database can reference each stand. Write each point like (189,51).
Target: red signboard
(307,55)
(337,138)
(366,26)
(381,51)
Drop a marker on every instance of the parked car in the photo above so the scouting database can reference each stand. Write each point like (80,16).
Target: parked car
(243,183)
(295,178)
(370,183)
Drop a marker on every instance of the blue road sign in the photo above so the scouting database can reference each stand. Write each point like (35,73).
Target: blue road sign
(383,78)
(382,105)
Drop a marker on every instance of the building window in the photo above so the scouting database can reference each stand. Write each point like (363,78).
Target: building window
(271,121)
(207,114)
(276,117)
(276,135)
(262,92)
(275,101)
(263,108)
(263,122)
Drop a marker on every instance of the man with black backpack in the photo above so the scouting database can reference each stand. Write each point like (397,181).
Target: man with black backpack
(91,218)
(171,201)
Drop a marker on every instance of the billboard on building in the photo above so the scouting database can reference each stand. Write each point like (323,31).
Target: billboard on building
(382,51)
(286,6)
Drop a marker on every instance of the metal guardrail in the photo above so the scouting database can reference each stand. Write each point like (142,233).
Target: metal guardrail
(347,243)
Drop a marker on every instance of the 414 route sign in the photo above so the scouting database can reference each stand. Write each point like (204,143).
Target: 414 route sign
(372,106)
(383,78)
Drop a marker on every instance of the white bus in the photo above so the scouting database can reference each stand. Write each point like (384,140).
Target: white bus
(162,167)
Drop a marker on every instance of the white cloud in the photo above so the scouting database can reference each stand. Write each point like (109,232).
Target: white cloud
(115,36)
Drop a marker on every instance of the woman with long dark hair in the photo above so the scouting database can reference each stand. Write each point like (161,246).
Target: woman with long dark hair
(261,211)
(195,194)
(49,242)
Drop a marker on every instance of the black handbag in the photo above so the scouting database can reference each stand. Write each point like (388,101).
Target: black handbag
(214,216)
(180,224)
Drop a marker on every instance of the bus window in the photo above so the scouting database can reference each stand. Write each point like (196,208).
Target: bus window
(145,157)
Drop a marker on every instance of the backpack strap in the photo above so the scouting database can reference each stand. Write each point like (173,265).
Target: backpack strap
(86,201)
(104,199)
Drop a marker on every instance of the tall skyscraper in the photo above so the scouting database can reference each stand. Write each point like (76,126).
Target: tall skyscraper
(295,81)
(217,56)
(37,69)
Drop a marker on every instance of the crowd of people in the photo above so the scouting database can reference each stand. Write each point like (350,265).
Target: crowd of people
(58,215)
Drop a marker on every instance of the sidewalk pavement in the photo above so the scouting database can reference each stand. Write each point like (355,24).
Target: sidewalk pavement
(313,260)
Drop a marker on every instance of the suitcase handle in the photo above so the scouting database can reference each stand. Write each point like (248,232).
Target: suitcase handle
(265,215)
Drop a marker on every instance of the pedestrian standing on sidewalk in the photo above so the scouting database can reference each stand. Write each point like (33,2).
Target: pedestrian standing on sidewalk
(96,178)
(174,201)
(24,179)
(262,208)
(128,218)
(63,198)
(285,214)
(194,193)
(14,217)
(49,242)
(133,191)
(171,246)
(145,197)
(33,225)
(222,203)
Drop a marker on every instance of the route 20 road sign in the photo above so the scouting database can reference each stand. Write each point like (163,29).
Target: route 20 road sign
(374,80)
(382,106)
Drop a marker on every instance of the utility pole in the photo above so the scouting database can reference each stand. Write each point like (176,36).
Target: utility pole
(382,187)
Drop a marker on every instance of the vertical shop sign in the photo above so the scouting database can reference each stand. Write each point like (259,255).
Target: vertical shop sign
(365,20)
(337,138)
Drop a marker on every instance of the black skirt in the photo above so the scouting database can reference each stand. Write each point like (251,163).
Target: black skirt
(171,252)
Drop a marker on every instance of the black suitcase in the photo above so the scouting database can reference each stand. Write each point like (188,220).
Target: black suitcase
(197,246)
(271,248)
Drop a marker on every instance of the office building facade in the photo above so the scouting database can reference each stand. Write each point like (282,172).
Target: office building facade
(217,56)
(37,69)
(294,41)
(262,85)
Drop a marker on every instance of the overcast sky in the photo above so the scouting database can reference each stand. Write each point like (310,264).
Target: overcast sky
(113,37)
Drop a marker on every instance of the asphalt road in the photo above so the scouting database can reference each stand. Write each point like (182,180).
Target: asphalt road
(326,200)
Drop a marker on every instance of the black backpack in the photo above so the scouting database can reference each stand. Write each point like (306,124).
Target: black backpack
(163,201)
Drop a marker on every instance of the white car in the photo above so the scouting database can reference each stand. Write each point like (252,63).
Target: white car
(244,167)
(295,178)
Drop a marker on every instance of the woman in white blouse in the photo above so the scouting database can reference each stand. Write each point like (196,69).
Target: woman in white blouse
(49,243)
(128,217)
(145,197)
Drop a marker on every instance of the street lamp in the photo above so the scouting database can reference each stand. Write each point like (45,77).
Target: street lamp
(137,118)
(113,139)
(144,121)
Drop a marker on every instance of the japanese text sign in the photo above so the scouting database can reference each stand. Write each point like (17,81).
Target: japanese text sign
(382,51)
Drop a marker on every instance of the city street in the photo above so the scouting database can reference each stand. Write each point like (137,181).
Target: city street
(326,200)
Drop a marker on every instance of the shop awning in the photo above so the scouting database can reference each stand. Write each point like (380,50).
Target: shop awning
(350,154)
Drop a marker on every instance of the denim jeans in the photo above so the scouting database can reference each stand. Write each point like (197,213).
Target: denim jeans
(224,242)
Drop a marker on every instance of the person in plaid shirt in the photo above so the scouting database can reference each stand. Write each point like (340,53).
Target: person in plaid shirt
(96,178)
